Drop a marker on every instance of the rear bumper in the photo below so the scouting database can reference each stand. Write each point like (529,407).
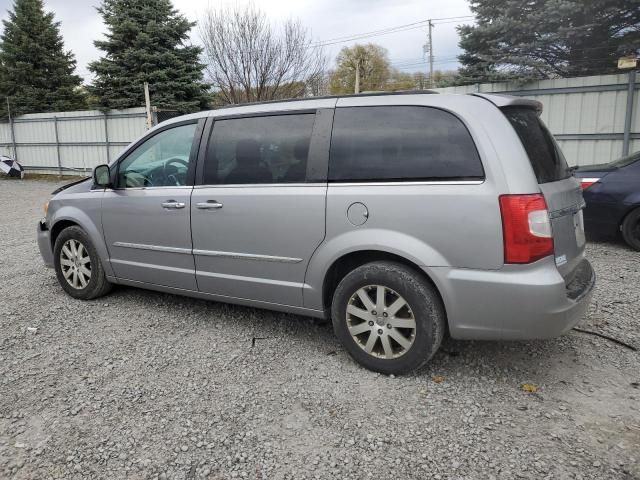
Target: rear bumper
(44,243)
(518,302)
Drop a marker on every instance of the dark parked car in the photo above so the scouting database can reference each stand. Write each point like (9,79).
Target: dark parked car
(612,193)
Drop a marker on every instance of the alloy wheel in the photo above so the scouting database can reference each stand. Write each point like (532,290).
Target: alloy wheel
(381,321)
(75,263)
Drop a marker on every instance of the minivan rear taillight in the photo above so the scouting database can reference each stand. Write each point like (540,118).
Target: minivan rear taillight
(526,228)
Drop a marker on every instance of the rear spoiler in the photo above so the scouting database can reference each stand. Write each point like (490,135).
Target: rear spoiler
(501,101)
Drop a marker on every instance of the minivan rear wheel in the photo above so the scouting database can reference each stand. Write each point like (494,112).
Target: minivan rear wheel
(388,316)
(78,265)
(631,229)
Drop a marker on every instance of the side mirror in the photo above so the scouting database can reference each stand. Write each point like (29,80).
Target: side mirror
(102,176)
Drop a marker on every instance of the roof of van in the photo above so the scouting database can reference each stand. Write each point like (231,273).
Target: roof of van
(498,100)
(323,97)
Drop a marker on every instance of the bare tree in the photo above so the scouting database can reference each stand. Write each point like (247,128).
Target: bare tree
(360,68)
(248,59)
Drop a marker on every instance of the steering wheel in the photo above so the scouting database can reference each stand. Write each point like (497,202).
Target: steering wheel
(137,179)
(175,160)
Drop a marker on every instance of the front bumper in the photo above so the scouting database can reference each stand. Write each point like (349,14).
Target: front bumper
(518,302)
(44,243)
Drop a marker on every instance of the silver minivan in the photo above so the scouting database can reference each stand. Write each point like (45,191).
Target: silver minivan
(402,217)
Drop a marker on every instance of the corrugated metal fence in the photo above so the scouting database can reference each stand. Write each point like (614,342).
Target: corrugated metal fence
(70,142)
(591,117)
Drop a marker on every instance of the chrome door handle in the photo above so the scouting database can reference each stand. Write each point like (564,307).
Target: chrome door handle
(172,205)
(210,205)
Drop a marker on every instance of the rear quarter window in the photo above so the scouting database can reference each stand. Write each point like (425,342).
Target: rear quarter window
(545,156)
(401,143)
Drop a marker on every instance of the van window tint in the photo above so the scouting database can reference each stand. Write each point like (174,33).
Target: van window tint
(545,155)
(269,149)
(401,143)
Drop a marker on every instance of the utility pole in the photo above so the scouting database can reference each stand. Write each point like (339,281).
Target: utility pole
(357,88)
(431,83)
(147,103)
(13,133)
(428,48)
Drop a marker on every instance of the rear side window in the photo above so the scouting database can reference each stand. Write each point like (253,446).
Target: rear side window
(545,155)
(401,143)
(269,149)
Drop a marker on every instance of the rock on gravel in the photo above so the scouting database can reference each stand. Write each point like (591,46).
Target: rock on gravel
(153,386)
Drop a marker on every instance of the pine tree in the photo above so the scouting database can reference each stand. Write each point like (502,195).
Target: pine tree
(547,38)
(36,73)
(146,42)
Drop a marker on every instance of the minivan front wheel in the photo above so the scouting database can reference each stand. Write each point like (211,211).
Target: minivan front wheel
(78,266)
(389,318)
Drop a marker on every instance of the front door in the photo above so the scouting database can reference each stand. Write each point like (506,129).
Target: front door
(256,219)
(146,217)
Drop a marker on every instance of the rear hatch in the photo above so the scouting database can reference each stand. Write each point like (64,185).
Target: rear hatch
(562,192)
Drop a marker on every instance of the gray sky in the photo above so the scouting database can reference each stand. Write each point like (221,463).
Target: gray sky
(327,19)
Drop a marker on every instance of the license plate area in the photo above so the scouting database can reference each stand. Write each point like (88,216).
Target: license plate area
(578,221)
(569,240)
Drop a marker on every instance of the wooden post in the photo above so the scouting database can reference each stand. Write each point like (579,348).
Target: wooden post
(55,128)
(106,136)
(628,113)
(13,133)
(147,103)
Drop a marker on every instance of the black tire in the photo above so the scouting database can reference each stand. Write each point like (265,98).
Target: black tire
(631,229)
(424,305)
(97,285)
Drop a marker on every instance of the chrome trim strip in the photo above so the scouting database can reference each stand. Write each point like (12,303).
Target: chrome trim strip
(567,210)
(209,253)
(246,256)
(254,185)
(383,184)
(152,266)
(340,184)
(244,279)
(172,187)
(155,248)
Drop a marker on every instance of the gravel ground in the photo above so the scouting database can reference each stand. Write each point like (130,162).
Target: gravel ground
(149,385)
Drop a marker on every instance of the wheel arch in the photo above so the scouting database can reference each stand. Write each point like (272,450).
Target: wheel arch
(68,217)
(349,261)
(57,228)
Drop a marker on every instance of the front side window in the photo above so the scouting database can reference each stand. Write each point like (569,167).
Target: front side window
(401,143)
(255,150)
(161,161)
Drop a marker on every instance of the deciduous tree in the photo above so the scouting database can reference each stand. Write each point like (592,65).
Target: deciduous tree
(250,59)
(368,65)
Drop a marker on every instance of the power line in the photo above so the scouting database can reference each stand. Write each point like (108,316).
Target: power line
(452,18)
(389,30)
(364,36)
(374,32)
